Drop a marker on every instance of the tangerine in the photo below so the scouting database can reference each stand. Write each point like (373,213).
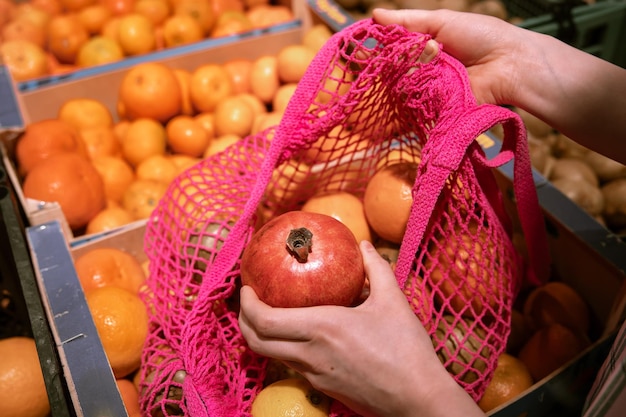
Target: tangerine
(181,29)
(135,34)
(184,79)
(109,218)
(155,10)
(150,90)
(157,167)
(142,197)
(66,35)
(510,378)
(200,10)
(185,135)
(23,29)
(293,61)
(104,266)
(24,59)
(130,396)
(43,139)
(289,397)
(22,386)
(83,113)
(233,115)
(121,320)
(144,137)
(343,206)
(551,347)
(94,17)
(70,180)
(239,71)
(116,173)
(388,199)
(210,84)
(100,141)
(99,50)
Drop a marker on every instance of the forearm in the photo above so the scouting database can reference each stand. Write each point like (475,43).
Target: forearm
(580,95)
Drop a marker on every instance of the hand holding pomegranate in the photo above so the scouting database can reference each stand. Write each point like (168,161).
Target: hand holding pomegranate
(376,357)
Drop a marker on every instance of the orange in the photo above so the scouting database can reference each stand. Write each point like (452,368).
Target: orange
(181,29)
(220,143)
(130,396)
(75,5)
(207,120)
(104,266)
(187,136)
(69,179)
(94,17)
(99,50)
(239,71)
(116,173)
(144,137)
(510,378)
(119,7)
(293,61)
(343,206)
(22,387)
(557,302)
(109,29)
(121,320)
(220,6)
(231,23)
(549,348)
(264,80)
(184,79)
(84,113)
(43,139)
(108,218)
(388,199)
(257,106)
(200,10)
(24,29)
(142,197)
(157,167)
(49,6)
(120,128)
(155,10)
(150,90)
(316,36)
(282,97)
(7,11)
(100,141)
(210,84)
(36,15)
(337,83)
(264,15)
(66,34)
(233,115)
(24,59)
(135,34)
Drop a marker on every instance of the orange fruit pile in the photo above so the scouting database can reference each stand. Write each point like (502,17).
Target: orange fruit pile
(165,120)
(44,37)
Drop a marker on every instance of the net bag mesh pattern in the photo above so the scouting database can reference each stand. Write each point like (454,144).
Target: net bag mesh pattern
(365,102)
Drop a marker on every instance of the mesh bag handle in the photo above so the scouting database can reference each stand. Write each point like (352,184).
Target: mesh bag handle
(459,141)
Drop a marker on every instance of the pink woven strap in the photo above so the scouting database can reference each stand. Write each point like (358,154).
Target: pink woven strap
(448,144)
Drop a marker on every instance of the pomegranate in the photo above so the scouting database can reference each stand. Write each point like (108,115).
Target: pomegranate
(301,259)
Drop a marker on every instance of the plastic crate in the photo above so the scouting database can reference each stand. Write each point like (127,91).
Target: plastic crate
(21,309)
(599,28)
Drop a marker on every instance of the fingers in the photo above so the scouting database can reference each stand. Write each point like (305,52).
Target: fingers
(415,20)
(378,270)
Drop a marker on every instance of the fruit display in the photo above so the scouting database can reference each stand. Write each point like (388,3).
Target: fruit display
(166,119)
(48,37)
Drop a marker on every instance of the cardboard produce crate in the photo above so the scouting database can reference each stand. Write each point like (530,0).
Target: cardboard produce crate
(595,271)
(44,101)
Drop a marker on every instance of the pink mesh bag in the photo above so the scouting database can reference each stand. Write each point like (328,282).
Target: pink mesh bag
(364,100)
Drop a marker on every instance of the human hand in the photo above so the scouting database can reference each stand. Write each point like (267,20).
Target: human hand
(486,45)
(376,358)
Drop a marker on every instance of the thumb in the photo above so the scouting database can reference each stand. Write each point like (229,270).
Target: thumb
(378,270)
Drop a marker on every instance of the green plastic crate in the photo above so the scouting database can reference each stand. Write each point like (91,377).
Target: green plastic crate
(600,29)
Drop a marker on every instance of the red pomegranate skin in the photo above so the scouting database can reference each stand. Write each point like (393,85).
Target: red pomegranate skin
(333,273)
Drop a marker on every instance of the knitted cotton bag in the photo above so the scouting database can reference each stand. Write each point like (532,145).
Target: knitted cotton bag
(364,100)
